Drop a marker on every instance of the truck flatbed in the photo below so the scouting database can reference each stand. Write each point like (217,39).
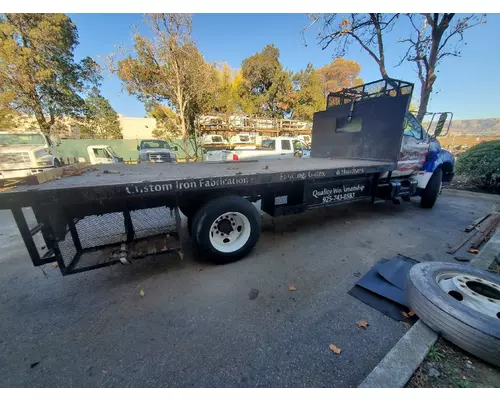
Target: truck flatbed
(115,213)
(110,180)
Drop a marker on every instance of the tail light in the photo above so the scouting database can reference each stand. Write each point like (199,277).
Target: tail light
(235,157)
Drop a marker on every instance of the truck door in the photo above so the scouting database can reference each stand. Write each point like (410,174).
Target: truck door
(414,147)
(287,150)
(301,149)
(99,155)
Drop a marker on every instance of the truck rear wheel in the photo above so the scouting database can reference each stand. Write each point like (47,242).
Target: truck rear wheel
(225,229)
(431,191)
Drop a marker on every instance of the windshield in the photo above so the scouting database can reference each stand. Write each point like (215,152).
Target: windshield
(268,144)
(216,139)
(244,138)
(113,153)
(154,144)
(27,139)
(300,145)
(413,125)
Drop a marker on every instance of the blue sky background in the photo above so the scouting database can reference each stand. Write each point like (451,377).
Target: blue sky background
(468,85)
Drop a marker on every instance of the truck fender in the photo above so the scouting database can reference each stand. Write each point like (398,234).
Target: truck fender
(435,159)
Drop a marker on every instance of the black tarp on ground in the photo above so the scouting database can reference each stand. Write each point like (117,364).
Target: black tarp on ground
(382,287)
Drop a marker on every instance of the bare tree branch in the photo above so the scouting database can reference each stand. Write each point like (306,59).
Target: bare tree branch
(366,30)
(428,45)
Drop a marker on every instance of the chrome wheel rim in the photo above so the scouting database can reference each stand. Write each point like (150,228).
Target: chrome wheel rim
(230,232)
(476,293)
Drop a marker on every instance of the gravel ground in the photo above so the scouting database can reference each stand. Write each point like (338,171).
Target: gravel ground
(237,325)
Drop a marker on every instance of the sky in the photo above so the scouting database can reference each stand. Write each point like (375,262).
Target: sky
(467,85)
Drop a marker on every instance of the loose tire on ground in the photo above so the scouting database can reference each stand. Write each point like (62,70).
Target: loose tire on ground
(431,192)
(230,218)
(474,331)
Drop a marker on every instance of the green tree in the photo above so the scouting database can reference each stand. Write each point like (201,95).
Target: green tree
(8,116)
(246,102)
(224,99)
(168,70)
(37,66)
(308,94)
(266,87)
(339,74)
(101,120)
(481,164)
(168,129)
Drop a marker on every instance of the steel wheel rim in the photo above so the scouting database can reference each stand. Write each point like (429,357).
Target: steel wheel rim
(230,232)
(473,292)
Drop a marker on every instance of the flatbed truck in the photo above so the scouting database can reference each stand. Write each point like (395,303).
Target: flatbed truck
(104,217)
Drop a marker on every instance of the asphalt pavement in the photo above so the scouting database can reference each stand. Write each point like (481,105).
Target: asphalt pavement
(236,325)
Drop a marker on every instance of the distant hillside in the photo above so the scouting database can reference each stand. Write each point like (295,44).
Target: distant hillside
(478,127)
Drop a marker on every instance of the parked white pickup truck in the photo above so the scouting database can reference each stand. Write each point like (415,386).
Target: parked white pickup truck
(102,154)
(156,151)
(27,153)
(242,141)
(214,141)
(272,148)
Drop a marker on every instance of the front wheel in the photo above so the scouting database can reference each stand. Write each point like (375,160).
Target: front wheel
(225,229)
(432,190)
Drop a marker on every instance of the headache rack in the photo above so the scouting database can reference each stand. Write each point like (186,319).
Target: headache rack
(383,87)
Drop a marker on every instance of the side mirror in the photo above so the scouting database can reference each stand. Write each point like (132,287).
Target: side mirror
(175,148)
(440,124)
(138,148)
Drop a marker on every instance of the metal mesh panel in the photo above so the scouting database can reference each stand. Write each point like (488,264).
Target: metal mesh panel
(98,230)
(68,249)
(107,229)
(383,87)
(94,230)
(153,221)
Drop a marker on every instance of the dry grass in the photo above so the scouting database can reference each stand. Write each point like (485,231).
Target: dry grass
(451,364)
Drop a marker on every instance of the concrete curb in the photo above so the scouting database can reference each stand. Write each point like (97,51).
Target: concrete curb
(471,195)
(397,367)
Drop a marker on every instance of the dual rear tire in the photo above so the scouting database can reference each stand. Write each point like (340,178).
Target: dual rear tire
(225,229)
